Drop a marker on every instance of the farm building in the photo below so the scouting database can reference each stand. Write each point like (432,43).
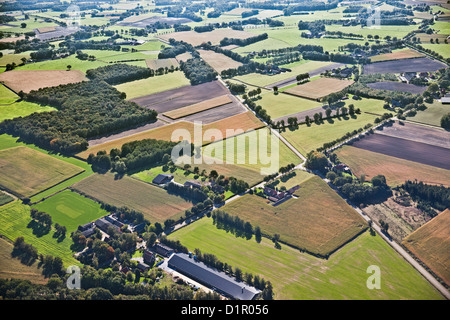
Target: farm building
(445,99)
(219,281)
(104,225)
(163,178)
(193,184)
(149,257)
(163,249)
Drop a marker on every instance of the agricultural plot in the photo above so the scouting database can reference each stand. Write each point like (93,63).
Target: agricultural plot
(20,80)
(198,107)
(431,243)
(215,36)
(161,63)
(299,275)
(26,172)
(70,209)
(155,203)
(420,152)
(405,65)
(433,114)
(396,170)
(282,104)
(319,227)
(218,61)
(397,86)
(397,55)
(319,88)
(142,23)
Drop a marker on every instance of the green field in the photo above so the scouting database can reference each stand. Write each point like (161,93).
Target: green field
(279,105)
(70,209)
(27,172)
(442,48)
(296,275)
(433,114)
(179,175)
(143,87)
(21,109)
(14,222)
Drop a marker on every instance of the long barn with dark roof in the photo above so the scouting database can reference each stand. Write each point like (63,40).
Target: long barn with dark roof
(211,278)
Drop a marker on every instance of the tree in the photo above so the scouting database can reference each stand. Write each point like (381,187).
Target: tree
(316,161)
(328,112)
(258,235)
(445,121)
(69,67)
(23,25)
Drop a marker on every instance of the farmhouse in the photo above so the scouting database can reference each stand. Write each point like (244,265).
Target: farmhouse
(218,281)
(193,184)
(163,178)
(104,225)
(149,257)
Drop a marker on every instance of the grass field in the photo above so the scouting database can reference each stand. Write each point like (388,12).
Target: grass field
(318,220)
(433,114)
(143,87)
(441,48)
(12,268)
(280,105)
(293,179)
(198,107)
(306,139)
(27,172)
(179,175)
(70,209)
(317,89)
(295,275)
(155,203)
(431,243)
(14,222)
(396,55)
(21,109)
(396,170)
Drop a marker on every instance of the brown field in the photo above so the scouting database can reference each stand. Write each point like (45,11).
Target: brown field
(397,55)
(27,80)
(425,38)
(431,244)
(319,88)
(245,121)
(12,39)
(396,170)
(218,61)
(155,203)
(155,64)
(26,172)
(318,221)
(184,56)
(12,268)
(198,107)
(196,38)
(46,29)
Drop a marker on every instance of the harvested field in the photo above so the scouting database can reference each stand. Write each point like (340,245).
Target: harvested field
(58,32)
(196,38)
(155,64)
(184,56)
(406,149)
(152,20)
(396,170)
(405,65)
(218,61)
(27,80)
(419,133)
(155,203)
(320,227)
(431,244)
(198,107)
(46,29)
(245,121)
(397,55)
(319,88)
(397,86)
(26,172)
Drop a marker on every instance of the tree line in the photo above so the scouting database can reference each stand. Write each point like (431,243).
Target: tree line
(119,73)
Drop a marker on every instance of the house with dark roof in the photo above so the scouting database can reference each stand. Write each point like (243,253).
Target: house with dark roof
(193,184)
(212,278)
(149,257)
(163,249)
(162,178)
(104,225)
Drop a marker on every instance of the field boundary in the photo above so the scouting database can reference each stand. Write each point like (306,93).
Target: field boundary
(174,114)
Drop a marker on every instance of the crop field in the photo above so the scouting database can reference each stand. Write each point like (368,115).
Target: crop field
(25,81)
(306,139)
(244,121)
(70,209)
(397,55)
(155,64)
(317,226)
(13,58)
(441,48)
(420,152)
(319,88)
(196,38)
(218,61)
(12,268)
(26,177)
(302,276)
(405,65)
(198,107)
(15,222)
(431,244)
(396,170)
(155,203)
(397,86)
(152,85)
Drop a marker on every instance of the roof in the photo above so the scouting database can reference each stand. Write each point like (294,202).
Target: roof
(445,100)
(212,278)
(162,178)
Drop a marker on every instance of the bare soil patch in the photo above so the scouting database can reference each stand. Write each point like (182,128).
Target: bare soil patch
(402,54)
(218,61)
(155,64)
(198,107)
(319,88)
(404,65)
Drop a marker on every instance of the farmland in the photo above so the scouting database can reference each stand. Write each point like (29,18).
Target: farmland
(405,65)
(432,115)
(27,179)
(155,203)
(218,61)
(397,86)
(319,229)
(397,55)
(214,36)
(198,107)
(319,88)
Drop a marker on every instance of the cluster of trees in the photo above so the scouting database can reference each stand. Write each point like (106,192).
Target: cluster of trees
(223,220)
(183,12)
(316,160)
(197,71)
(360,89)
(341,34)
(236,88)
(316,27)
(428,195)
(249,13)
(41,217)
(445,121)
(206,28)
(26,252)
(335,57)
(262,113)
(85,109)
(243,42)
(285,58)
(119,73)
(193,194)
(346,136)
(172,52)
(73,46)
